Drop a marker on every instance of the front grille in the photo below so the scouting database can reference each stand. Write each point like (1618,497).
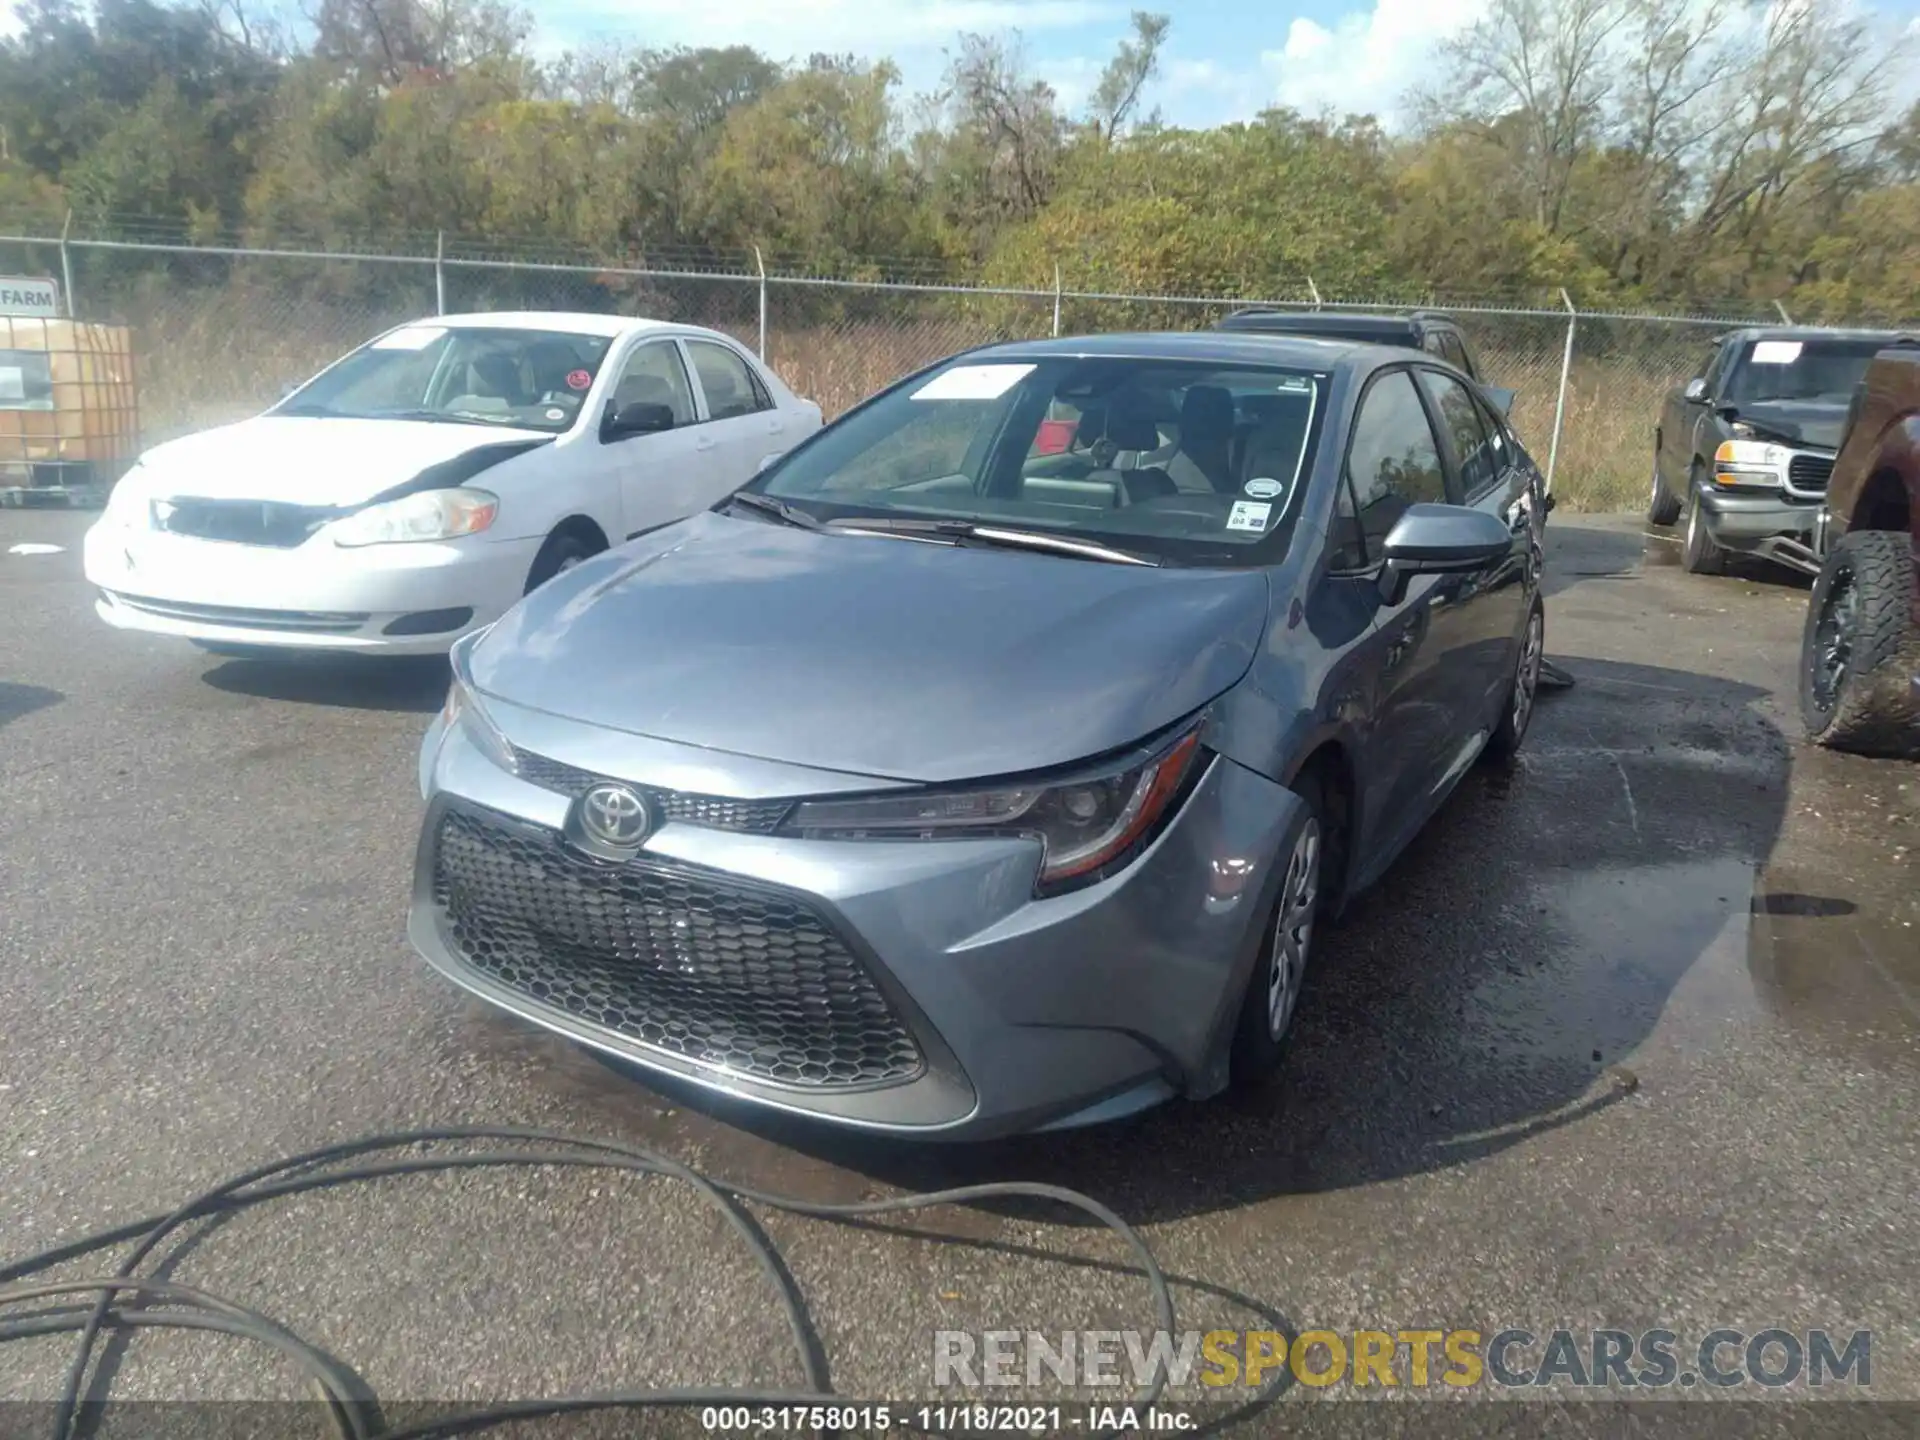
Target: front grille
(716,812)
(307,622)
(241,522)
(1809,474)
(695,966)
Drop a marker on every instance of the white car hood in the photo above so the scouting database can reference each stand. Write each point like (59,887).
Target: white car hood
(310,461)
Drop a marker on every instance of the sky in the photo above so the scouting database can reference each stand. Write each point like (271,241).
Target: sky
(1224,60)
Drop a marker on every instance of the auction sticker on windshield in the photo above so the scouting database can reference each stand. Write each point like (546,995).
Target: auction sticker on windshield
(414,337)
(1776,352)
(1246,515)
(973,382)
(1261,488)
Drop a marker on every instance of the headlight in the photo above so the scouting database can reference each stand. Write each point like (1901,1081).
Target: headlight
(425,515)
(465,709)
(1086,825)
(1749,462)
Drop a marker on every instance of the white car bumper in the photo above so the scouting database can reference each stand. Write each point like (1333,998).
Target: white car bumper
(405,599)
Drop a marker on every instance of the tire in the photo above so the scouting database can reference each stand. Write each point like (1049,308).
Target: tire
(1516,715)
(1858,649)
(1700,553)
(1663,506)
(564,550)
(1273,990)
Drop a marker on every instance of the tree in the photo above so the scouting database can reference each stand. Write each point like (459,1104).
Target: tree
(1135,63)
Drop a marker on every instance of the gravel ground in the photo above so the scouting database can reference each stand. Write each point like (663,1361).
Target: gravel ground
(1628,1039)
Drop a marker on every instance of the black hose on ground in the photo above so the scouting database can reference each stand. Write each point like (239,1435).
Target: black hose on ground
(351,1403)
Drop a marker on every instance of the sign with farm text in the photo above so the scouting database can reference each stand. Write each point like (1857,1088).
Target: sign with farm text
(36,299)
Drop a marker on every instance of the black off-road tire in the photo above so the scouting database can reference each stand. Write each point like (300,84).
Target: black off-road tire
(1259,1046)
(1862,603)
(564,549)
(1663,506)
(1700,553)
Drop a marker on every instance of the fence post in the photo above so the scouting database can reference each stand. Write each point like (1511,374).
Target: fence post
(1313,290)
(66,265)
(1783,312)
(1560,402)
(760,265)
(1056,299)
(440,272)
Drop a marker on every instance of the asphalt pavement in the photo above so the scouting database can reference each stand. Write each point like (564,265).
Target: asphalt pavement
(1629,1039)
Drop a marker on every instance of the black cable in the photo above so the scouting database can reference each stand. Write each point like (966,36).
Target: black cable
(351,1402)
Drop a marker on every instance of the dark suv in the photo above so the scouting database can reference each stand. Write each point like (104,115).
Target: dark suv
(1416,330)
(1746,447)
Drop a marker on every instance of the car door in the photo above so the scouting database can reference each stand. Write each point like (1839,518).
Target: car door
(658,474)
(1681,418)
(1394,461)
(738,411)
(1491,603)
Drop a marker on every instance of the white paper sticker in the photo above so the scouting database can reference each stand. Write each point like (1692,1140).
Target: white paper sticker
(1776,352)
(28,547)
(1261,488)
(556,413)
(414,337)
(1298,384)
(1246,515)
(973,382)
(13,383)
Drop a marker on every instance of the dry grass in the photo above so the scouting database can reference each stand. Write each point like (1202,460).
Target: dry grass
(209,356)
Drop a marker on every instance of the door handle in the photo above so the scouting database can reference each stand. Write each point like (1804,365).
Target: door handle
(775,424)
(704,442)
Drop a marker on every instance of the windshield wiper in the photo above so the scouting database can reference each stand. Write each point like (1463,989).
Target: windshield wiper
(308,411)
(439,417)
(778,509)
(966,531)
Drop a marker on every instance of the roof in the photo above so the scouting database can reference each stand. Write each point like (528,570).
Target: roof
(1218,347)
(1810,332)
(571,322)
(1335,322)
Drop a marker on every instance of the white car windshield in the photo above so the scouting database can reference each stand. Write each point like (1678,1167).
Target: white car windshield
(527,379)
(1185,461)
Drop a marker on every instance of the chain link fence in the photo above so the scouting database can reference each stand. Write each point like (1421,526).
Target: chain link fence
(219,333)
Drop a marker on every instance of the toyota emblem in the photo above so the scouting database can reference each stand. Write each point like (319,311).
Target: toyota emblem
(615,816)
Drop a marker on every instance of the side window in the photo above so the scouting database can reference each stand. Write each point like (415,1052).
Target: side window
(1718,364)
(1497,445)
(1347,546)
(1394,461)
(1460,418)
(654,374)
(1456,353)
(730,387)
(1434,344)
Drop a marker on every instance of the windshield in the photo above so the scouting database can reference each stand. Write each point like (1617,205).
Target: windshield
(1816,370)
(1185,461)
(528,379)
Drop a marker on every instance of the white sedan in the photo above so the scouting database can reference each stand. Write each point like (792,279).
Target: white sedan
(416,489)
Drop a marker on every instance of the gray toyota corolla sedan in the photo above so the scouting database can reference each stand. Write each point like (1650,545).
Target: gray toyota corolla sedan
(989,760)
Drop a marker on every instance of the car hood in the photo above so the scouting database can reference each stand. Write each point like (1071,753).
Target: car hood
(881,657)
(312,461)
(1806,422)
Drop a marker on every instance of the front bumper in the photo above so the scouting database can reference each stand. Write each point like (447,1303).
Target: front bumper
(1023,1013)
(1749,521)
(409,599)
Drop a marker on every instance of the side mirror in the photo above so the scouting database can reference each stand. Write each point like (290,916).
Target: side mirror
(1696,390)
(642,417)
(766,461)
(1502,400)
(1439,540)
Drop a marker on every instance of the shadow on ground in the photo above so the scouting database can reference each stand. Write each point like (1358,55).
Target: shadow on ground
(405,685)
(19,701)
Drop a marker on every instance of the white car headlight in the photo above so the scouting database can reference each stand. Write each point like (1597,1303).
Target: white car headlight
(425,515)
(465,709)
(1749,462)
(1088,825)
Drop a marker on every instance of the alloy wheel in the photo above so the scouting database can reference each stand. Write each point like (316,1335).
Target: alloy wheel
(1293,928)
(1526,679)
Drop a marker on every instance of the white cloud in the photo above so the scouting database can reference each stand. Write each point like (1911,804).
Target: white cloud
(9,19)
(1367,60)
